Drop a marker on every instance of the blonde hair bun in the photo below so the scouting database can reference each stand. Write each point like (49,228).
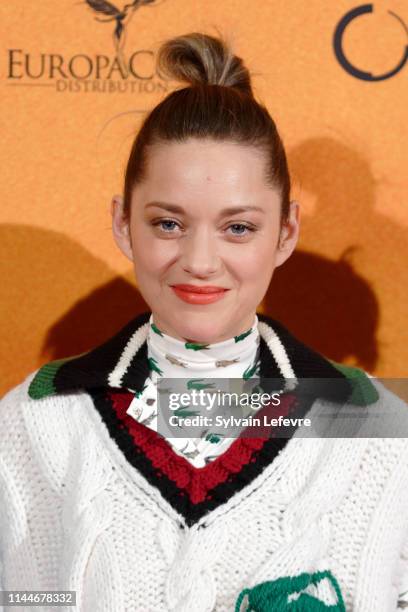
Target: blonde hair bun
(200,59)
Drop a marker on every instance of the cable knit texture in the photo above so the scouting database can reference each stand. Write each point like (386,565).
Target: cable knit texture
(83,511)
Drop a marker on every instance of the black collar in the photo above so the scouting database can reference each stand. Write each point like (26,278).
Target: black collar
(121,362)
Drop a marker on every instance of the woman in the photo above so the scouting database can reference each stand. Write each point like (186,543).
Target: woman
(96,501)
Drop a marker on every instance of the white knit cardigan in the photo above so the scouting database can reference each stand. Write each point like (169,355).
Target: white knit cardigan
(75,515)
(316,520)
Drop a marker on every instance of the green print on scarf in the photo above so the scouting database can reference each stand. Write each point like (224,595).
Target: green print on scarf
(195,346)
(194,383)
(153,366)
(139,393)
(214,438)
(285,595)
(156,329)
(250,371)
(242,336)
(184,412)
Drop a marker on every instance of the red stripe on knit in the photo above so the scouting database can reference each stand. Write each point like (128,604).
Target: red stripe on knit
(195,482)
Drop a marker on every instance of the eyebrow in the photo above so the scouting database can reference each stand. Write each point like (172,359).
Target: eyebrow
(230,210)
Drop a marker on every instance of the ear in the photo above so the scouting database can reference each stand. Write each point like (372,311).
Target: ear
(121,227)
(289,234)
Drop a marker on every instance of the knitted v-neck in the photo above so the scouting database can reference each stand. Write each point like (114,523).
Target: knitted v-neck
(191,491)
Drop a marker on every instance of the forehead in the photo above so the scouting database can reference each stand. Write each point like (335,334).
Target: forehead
(222,171)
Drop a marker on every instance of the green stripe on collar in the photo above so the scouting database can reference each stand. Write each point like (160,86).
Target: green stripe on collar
(43,382)
(363,390)
(122,361)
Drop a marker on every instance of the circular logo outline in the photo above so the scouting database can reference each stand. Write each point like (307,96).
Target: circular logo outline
(345,62)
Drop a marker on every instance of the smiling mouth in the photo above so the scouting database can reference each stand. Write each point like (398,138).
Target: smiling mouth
(199,295)
(198,289)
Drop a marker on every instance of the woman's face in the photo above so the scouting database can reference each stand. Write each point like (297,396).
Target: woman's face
(204,217)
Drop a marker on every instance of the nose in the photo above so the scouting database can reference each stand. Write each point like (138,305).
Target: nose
(199,255)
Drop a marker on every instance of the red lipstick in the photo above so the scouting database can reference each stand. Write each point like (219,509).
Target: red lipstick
(199,294)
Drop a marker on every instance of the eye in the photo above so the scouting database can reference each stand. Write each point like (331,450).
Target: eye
(242,226)
(167,225)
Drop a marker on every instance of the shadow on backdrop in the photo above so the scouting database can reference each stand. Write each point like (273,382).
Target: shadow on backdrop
(331,302)
(58,300)
(322,302)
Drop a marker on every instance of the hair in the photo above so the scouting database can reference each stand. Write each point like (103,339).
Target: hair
(217,104)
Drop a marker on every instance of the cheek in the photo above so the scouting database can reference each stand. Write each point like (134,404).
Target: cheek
(150,254)
(255,262)
(146,259)
(149,262)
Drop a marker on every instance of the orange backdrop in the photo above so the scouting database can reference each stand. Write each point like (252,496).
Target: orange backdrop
(74,85)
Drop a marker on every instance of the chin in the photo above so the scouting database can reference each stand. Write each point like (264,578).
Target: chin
(197,329)
(205,333)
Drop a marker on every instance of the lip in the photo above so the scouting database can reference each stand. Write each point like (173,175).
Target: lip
(199,288)
(195,294)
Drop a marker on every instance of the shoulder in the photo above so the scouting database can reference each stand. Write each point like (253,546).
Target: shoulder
(373,421)
(374,390)
(21,400)
(39,435)
(366,442)
(13,406)
(21,408)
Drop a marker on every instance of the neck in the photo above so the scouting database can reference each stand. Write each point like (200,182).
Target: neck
(211,359)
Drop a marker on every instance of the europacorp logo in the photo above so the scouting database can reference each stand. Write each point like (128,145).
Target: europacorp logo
(118,71)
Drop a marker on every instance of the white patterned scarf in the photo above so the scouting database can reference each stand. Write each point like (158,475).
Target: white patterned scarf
(234,358)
